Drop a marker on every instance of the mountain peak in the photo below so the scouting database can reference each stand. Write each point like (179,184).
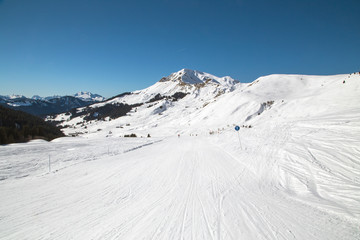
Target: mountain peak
(88,96)
(192,77)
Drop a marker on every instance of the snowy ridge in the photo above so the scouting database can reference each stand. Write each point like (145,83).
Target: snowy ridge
(196,77)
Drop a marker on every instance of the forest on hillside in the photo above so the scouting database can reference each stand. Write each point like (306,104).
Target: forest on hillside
(17,126)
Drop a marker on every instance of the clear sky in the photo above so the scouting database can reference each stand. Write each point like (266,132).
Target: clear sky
(107,47)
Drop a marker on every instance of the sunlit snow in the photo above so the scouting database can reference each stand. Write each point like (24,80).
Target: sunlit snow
(293,172)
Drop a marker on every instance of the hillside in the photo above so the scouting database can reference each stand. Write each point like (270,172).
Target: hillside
(210,105)
(17,126)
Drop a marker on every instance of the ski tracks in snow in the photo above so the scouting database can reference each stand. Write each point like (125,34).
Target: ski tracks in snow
(180,188)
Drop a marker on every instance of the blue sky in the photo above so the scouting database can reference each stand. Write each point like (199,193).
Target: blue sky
(109,47)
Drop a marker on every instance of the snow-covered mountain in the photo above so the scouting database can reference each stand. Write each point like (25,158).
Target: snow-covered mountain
(188,101)
(184,81)
(89,97)
(192,77)
(49,105)
(196,86)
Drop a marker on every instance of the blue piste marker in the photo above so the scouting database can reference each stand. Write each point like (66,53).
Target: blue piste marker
(237,128)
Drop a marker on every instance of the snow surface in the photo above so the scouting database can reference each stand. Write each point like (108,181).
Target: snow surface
(295,174)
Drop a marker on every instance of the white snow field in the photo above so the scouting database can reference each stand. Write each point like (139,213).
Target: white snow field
(295,174)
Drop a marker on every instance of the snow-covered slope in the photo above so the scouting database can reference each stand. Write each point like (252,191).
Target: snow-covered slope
(210,105)
(285,98)
(291,172)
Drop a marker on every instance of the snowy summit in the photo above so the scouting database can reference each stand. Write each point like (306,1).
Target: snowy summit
(188,76)
(88,96)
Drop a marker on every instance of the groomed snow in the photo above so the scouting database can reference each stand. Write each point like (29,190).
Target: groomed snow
(275,187)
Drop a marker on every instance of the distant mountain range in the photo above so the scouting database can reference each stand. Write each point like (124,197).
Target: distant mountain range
(42,106)
(190,101)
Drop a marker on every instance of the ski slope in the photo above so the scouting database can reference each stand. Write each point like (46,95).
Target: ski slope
(295,174)
(189,188)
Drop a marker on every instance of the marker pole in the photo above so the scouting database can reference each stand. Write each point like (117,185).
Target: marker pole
(49,164)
